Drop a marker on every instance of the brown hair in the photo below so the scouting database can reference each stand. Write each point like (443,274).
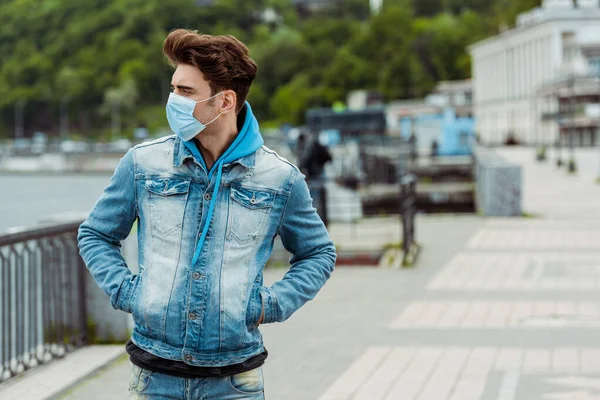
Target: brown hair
(223,60)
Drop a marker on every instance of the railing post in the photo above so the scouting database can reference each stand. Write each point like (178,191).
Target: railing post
(408,201)
(82,273)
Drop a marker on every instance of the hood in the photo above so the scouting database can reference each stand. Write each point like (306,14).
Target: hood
(247,142)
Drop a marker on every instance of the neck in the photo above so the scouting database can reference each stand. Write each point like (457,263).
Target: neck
(213,144)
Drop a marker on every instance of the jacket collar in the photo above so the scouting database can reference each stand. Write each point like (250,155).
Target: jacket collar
(181,153)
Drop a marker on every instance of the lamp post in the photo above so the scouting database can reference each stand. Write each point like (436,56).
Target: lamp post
(598,127)
(19,123)
(64,117)
(572,168)
(559,119)
(115,119)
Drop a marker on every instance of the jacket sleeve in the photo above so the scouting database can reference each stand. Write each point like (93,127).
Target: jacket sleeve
(304,235)
(99,237)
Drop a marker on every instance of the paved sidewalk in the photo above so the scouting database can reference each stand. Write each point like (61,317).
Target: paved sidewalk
(515,315)
(496,310)
(314,347)
(51,379)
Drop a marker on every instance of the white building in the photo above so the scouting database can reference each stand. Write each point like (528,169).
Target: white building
(509,69)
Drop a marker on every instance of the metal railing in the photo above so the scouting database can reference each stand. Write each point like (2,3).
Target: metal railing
(42,297)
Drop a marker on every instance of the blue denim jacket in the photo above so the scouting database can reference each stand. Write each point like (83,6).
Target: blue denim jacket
(205,313)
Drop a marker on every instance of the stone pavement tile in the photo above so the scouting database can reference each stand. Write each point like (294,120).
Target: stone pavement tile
(357,374)
(443,379)
(49,380)
(521,311)
(522,271)
(453,316)
(515,239)
(537,360)
(565,359)
(499,314)
(459,373)
(414,378)
(389,371)
(477,314)
(589,360)
(410,315)
(484,314)
(509,358)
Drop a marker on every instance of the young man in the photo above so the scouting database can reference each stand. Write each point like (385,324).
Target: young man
(209,202)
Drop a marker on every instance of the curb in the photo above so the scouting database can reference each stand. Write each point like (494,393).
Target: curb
(107,364)
(54,378)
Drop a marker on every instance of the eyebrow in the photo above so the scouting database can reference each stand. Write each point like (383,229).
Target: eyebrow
(182,87)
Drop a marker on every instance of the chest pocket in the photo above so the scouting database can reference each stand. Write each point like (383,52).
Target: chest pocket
(249,209)
(167,199)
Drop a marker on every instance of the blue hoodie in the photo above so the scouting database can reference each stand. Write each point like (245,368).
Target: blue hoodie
(247,142)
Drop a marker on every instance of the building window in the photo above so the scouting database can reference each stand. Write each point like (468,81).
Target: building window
(594,63)
(569,46)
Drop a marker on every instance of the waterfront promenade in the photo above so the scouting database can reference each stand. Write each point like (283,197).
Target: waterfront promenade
(496,309)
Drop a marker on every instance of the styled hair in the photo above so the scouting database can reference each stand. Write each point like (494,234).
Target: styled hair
(223,60)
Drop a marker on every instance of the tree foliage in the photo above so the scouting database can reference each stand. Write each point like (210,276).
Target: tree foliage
(93,54)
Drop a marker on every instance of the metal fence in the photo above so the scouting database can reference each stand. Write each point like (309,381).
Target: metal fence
(42,297)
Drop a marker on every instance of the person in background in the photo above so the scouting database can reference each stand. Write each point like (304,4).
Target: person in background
(312,157)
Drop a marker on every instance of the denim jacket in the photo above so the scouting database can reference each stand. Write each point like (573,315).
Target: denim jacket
(205,313)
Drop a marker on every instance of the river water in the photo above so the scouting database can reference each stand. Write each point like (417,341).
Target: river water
(26,200)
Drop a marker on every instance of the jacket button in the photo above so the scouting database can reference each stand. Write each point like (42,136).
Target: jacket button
(192,316)
(188,357)
(196,275)
(207,196)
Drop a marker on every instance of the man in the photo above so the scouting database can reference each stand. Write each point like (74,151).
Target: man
(209,202)
(312,157)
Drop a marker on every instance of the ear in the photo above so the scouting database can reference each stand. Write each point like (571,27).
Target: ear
(229,102)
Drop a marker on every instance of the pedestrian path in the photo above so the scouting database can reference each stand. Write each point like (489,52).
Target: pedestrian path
(49,380)
(497,309)
(514,315)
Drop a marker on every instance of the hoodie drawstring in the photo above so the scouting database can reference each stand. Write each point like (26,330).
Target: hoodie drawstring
(211,209)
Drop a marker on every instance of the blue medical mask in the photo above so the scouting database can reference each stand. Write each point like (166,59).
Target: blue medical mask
(180,114)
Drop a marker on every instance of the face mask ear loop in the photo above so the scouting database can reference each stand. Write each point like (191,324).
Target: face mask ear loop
(211,97)
(214,119)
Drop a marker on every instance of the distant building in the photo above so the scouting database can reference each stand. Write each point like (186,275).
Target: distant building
(448,94)
(572,101)
(359,99)
(455,94)
(444,117)
(510,69)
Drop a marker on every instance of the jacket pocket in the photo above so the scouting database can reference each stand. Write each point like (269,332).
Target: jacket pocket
(167,198)
(134,300)
(126,295)
(248,211)
(254,308)
(249,382)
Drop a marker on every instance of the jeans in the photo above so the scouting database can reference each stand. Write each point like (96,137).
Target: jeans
(148,385)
